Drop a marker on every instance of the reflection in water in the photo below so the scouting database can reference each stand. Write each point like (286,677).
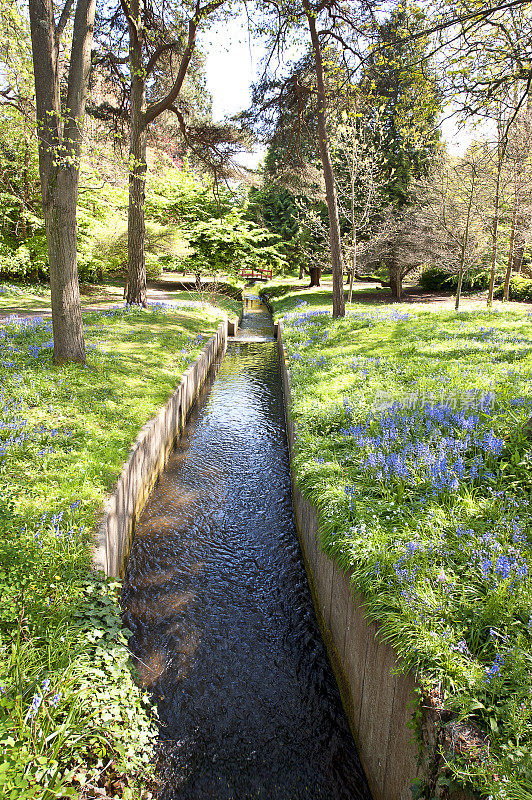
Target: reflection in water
(218,602)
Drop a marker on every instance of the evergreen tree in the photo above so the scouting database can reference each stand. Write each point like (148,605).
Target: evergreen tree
(403,92)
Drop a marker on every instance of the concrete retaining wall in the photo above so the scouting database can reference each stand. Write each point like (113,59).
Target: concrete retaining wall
(146,460)
(232,327)
(378,703)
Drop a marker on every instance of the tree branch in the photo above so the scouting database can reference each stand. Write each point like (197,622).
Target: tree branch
(63,19)
(158,53)
(157,108)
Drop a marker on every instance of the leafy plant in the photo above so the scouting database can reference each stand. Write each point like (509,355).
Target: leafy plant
(231,244)
(435,279)
(520,289)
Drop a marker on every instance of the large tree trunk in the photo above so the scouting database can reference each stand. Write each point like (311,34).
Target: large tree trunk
(61,238)
(315,276)
(60,138)
(136,274)
(328,173)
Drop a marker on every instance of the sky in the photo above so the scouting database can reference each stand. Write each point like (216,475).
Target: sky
(232,65)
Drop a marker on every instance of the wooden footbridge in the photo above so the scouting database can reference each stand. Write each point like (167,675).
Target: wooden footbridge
(257,274)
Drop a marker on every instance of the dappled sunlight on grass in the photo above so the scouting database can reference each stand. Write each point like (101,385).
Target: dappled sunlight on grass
(410,443)
(68,702)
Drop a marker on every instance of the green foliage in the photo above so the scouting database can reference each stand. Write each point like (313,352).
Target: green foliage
(110,253)
(440,545)
(520,289)
(279,212)
(71,714)
(180,197)
(401,87)
(435,279)
(232,243)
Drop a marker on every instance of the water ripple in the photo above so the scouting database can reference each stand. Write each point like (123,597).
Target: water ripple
(217,599)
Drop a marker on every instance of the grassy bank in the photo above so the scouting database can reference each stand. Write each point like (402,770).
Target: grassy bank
(71,716)
(226,295)
(410,443)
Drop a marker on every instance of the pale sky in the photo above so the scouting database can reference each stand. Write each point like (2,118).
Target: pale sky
(232,65)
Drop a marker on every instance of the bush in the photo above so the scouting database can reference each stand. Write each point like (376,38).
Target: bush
(436,279)
(110,257)
(231,244)
(520,289)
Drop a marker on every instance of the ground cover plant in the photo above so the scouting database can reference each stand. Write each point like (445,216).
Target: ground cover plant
(410,443)
(71,715)
(34,295)
(225,294)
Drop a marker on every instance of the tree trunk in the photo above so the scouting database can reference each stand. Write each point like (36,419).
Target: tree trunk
(465,241)
(508,275)
(396,283)
(328,173)
(353,270)
(494,239)
(519,247)
(60,137)
(61,238)
(496,213)
(315,276)
(136,273)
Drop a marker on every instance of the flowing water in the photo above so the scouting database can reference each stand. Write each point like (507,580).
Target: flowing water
(216,596)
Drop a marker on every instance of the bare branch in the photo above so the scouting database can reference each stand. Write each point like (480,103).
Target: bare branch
(63,19)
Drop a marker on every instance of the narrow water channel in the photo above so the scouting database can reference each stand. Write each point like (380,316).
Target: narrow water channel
(216,596)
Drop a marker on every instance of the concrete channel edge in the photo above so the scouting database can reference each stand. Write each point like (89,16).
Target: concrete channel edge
(378,701)
(147,459)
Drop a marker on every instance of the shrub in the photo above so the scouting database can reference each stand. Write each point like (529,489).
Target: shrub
(436,279)
(520,289)
(231,244)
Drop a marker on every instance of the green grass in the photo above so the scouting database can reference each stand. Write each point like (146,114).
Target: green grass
(231,306)
(285,293)
(30,296)
(410,443)
(36,297)
(71,714)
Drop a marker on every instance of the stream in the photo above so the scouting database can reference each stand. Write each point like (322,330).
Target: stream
(224,631)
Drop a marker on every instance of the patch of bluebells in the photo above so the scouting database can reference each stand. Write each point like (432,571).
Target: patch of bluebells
(494,671)
(17,432)
(440,571)
(430,448)
(46,696)
(306,319)
(502,344)
(50,531)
